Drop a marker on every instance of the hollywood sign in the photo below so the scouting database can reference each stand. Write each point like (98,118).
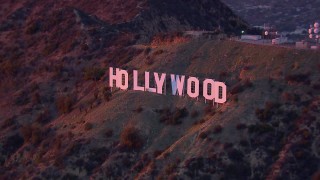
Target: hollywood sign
(212,90)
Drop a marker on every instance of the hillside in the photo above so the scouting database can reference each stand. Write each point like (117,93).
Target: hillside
(141,17)
(270,121)
(60,120)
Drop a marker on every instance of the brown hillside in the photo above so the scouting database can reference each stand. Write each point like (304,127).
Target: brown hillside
(270,119)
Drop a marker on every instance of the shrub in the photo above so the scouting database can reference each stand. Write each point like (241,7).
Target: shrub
(208,109)
(194,165)
(298,78)
(223,74)
(26,132)
(88,126)
(194,114)
(235,171)
(157,153)
(235,155)
(316,176)
(244,143)
(70,176)
(9,68)
(227,146)
(37,136)
(235,98)
(236,89)
(266,113)
(11,144)
(272,105)
(147,50)
(158,52)
(93,73)
(139,109)
(316,86)
(201,121)
(84,47)
(36,98)
(73,148)
(149,61)
(173,118)
(8,122)
(22,98)
(109,133)
(124,55)
(287,97)
(262,115)
(170,168)
(96,94)
(50,48)
(43,117)
(217,129)
(180,113)
(33,28)
(260,128)
(247,83)
(131,138)
(247,68)
(106,92)
(203,135)
(64,104)
(32,134)
(241,126)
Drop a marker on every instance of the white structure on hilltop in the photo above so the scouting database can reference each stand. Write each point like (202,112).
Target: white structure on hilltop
(251,37)
(314,31)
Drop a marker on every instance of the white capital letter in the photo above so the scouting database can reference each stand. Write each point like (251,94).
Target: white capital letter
(136,87)
(123,79)
(112,77)
(220,90)
(147,82)
(119,77)
(205,89)
(195,81)
(177,84)
(159,81)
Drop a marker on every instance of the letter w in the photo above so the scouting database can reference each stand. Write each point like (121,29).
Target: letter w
(177,84)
